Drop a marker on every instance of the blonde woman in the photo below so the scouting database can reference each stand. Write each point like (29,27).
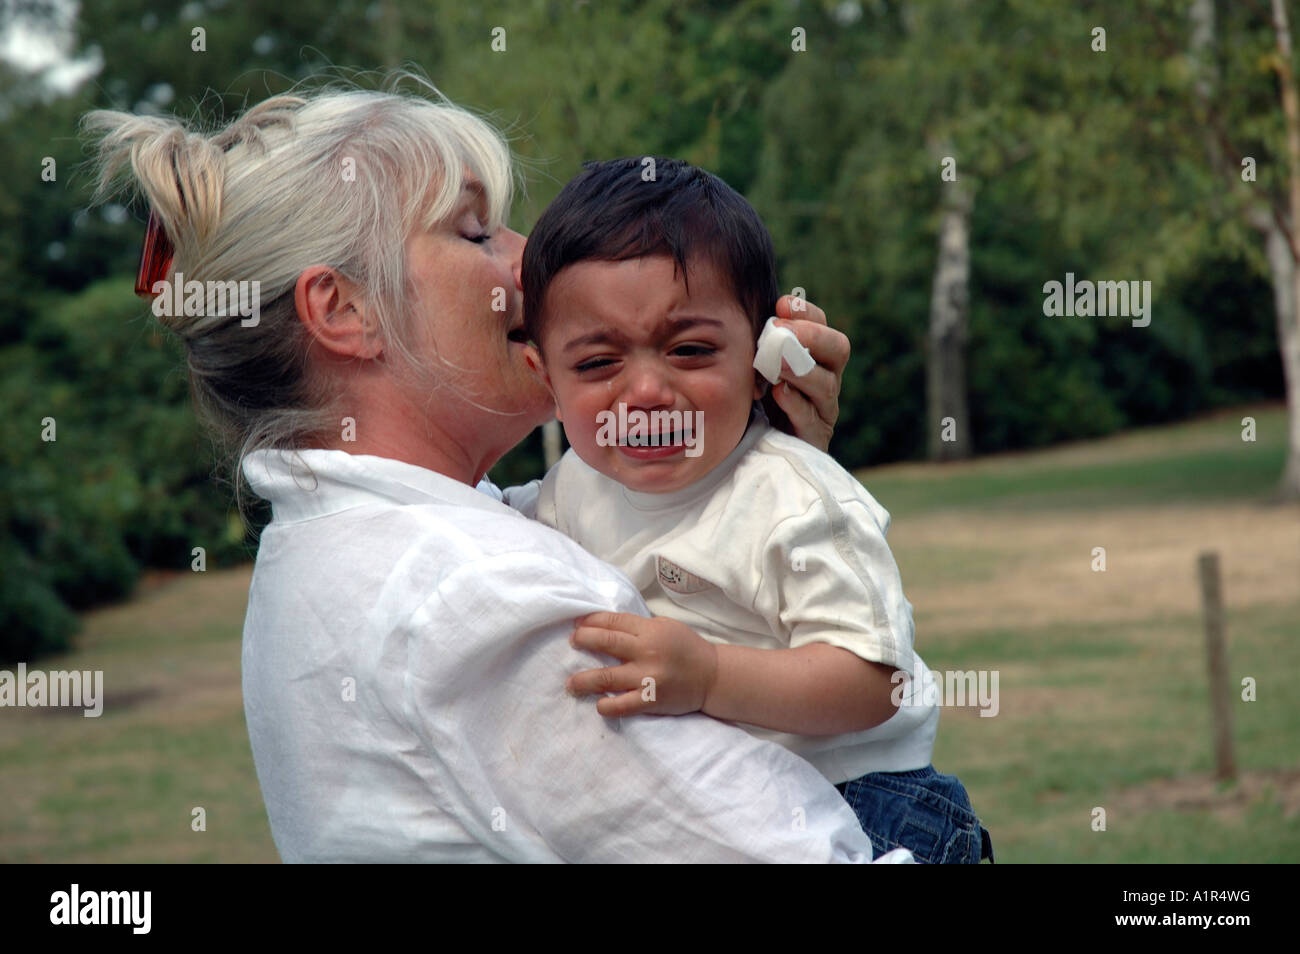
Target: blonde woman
(406,644)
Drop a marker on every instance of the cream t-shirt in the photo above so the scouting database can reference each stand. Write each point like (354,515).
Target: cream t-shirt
(777,547)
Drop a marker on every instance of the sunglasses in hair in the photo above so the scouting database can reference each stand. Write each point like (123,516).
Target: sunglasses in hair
(155,257)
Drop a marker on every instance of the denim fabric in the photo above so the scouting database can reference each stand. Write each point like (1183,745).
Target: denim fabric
(922,810)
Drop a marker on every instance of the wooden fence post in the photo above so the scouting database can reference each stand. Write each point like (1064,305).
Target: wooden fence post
(1225,764)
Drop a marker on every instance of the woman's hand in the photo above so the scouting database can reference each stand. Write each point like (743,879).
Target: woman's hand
(812,402)
(667,668)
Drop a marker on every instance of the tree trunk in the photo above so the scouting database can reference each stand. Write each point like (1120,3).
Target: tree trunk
(390,34)
(946,349)
(1283,274)
(1288,331)
(1280,247)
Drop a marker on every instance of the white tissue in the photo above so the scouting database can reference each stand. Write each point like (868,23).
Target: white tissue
(777,343)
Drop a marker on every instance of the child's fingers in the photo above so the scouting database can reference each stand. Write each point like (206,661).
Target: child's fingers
(594,682)
(608,641)
(623,622)
(629,703)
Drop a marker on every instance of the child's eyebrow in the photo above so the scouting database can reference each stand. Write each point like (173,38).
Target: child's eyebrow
(682,322)
(598,337)
(668,326)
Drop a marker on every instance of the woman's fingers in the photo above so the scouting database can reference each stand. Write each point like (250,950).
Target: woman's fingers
(819,389)
(808,425)
(788,306)
(812,401)
(829,347)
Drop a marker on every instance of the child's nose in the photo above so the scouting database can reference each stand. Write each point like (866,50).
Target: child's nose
(649,385)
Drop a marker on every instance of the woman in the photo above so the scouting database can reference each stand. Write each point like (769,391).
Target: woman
(405,648)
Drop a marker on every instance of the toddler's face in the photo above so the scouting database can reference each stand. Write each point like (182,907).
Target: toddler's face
(680,363)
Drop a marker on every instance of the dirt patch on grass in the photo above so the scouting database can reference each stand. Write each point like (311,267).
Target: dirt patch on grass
(1043,564)
(1201,793)
(1219,430)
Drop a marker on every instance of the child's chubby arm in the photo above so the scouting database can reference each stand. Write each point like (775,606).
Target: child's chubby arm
(669,669)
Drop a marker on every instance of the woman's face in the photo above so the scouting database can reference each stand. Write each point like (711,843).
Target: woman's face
(468,295)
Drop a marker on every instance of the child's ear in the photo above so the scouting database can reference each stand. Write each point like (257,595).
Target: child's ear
(760,386)
(533,358)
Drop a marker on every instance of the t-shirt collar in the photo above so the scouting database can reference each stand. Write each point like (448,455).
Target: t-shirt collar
(758,426)
(314,482)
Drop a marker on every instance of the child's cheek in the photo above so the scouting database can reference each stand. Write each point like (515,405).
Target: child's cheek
(582,419)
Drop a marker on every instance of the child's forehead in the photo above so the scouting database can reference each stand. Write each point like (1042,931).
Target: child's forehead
(648,287)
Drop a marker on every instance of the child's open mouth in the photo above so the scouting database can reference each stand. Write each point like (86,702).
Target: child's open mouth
(670,439)
(650,451)
(644,435)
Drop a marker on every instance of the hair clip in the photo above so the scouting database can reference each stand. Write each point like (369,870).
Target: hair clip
(155,257)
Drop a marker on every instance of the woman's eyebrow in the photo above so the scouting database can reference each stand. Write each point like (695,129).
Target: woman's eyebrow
(474,196)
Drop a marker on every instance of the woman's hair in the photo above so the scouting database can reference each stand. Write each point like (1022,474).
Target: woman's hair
(331,177)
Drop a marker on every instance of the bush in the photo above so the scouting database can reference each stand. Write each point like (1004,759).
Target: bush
(127,480)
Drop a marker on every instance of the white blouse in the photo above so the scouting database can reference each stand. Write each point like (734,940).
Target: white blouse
(404,659)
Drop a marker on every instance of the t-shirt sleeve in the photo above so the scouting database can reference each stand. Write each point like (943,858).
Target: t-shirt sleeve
(526,765)
(828,576)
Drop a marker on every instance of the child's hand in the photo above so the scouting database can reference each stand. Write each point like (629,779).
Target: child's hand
(667,667)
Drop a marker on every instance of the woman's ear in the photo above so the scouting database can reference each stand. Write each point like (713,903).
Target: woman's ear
(533,357)
(336,313)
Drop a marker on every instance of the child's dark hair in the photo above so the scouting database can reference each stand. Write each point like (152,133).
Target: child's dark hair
(618,209)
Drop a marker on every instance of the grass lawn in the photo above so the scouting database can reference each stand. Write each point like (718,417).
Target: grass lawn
(1103,688)
(1103,698)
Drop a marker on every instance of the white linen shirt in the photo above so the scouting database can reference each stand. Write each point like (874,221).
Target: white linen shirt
(777,547)
(404,659)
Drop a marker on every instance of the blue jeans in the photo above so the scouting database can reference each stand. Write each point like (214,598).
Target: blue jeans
(922,810)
